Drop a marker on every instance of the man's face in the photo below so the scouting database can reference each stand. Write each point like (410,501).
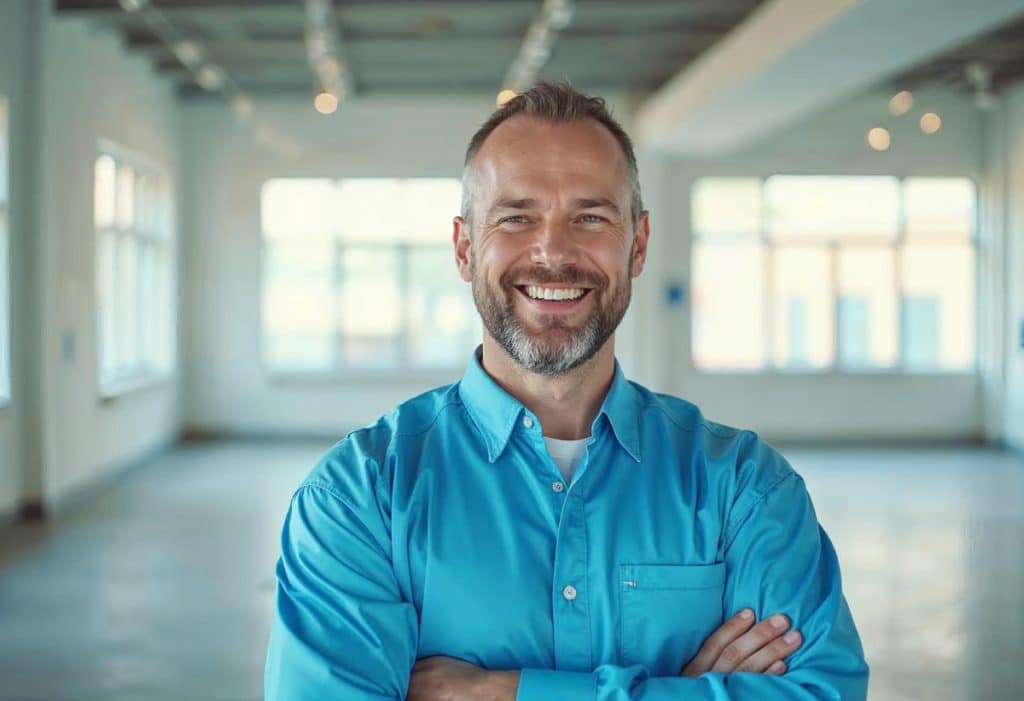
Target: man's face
(553,248)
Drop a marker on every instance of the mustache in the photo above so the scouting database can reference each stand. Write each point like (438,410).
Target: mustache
(568,275)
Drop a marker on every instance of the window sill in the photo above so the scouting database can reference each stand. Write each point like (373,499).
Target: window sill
(832,372)
(132,384)
(368,376)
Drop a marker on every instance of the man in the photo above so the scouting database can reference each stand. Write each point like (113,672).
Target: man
(545,529)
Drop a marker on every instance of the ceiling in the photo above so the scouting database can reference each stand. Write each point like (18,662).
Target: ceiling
(1001,51)
(424,46)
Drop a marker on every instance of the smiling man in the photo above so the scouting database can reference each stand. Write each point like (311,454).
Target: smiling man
(545,528)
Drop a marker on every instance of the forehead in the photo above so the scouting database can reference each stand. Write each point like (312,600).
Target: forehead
(526,151)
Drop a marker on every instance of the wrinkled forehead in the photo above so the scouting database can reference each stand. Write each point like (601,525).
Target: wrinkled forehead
(528,153)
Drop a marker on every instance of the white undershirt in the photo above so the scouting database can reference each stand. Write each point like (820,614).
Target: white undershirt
(566,454)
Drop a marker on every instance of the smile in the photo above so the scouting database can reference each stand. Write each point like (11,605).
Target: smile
(553,298)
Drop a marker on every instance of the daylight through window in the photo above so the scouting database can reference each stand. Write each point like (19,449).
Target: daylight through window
(812,273)
(359,273)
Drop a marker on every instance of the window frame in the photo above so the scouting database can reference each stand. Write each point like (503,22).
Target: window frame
(833,245)
(147,374)
(7,384)
(338,372)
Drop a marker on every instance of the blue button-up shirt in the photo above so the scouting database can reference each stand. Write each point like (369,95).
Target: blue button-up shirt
(446,529)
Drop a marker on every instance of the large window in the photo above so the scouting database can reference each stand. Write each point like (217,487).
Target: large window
(5,267)
(360,274)
(135,301)
(813,273)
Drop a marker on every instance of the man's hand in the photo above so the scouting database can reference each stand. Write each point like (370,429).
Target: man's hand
(736,647)
(448,679)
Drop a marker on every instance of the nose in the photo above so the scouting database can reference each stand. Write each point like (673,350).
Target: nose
(554,245)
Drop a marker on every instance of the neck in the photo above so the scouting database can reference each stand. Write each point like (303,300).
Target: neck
(565,404)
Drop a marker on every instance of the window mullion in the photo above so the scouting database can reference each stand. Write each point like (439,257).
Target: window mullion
(837,339)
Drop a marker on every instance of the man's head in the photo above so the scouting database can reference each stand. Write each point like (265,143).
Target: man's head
(551,209)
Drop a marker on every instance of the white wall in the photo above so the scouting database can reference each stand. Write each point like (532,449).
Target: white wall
(224,168)
(15,73)
(1007,177)
(90,90)
(833,406)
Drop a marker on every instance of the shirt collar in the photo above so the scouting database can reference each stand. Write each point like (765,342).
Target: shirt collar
(496,412)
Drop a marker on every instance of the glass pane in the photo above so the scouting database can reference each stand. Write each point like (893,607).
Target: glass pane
(144,203)
(297,209)
(165,318)
(397,209)
(106,312)
(832,207)
(802,308)
(297,306)
(5,160)
(868,319)
(938,306)
(5,319)
(150,315)
(104,174)
(127,301)
(442,321)
(939,208)
(125,196)
(728,311)
(726,208)
(370,309)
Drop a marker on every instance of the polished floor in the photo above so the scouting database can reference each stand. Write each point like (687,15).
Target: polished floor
(161,587)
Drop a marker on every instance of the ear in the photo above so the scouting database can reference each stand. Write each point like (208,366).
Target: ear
(462,241)
(641,234)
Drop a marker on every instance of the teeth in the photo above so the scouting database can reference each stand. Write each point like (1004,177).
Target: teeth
(538,292)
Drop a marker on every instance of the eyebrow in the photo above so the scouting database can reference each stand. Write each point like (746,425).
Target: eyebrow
(578,203)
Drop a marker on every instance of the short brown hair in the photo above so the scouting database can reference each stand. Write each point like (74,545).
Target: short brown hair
(557,103)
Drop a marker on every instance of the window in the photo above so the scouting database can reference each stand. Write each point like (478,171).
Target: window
(135,301)
(813,273)
(5,267)
(360,274)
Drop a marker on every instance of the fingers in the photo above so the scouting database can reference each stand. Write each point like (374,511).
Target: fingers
(771,654)
(717,641)
(737,652)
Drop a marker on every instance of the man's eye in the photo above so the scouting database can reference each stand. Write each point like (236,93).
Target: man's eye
(515,219)
(591,218)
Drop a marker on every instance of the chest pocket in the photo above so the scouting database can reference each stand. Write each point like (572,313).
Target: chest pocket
(666,612)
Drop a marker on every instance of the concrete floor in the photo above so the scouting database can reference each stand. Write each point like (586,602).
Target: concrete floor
(161,587)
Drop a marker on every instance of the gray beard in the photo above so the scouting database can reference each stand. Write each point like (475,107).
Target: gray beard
(536,354)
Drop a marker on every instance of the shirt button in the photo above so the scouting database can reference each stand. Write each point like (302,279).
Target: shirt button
(569,592)
(527,422)
(557,487)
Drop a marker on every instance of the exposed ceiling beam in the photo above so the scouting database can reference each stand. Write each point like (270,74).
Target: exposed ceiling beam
(790,58)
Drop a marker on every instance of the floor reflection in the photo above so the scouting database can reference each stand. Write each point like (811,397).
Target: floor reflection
(931,545)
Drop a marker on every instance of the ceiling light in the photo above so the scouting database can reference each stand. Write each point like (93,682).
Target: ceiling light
(505,95)
(879,139)
(901,103)
(210,77)
(241,106)
(132,5)
(188,52)
(930,122)
(325,103)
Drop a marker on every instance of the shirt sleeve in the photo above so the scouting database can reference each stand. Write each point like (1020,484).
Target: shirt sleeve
(341,629)
(778,560)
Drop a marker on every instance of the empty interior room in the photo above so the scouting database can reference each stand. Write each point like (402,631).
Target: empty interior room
(226,244)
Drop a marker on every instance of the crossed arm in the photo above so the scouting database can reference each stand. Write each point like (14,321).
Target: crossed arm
(738,645)
(354,637)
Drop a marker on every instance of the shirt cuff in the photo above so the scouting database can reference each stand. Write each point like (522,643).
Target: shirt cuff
(543,684)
